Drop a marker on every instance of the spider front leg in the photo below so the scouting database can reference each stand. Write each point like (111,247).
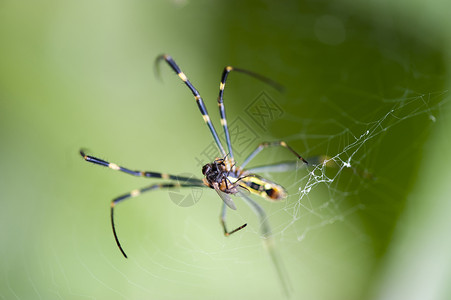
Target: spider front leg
(197,97)
(222,113)
(138,192)
(148,174)
(223,221)
(264,145)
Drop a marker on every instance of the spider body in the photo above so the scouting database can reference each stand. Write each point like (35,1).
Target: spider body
(222,175)
(264,188)
(217,173)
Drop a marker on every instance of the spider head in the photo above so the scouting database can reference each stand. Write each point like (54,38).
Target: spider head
(215,172)
(206,169)
(215,167)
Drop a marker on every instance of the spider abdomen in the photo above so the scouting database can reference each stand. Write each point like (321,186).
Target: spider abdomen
(263,187)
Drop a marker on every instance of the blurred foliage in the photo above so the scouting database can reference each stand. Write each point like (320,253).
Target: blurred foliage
(80,74)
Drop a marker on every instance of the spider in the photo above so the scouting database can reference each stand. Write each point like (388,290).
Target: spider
(222,175)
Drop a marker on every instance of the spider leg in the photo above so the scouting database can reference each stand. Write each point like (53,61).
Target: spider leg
(148,174)
(222,112)
(264,145)
(138,192)
(269,243)
(199,101)
(223,218)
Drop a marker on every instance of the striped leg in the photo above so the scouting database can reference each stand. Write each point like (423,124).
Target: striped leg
(138,192)
(149,174)
(223,221)
(266,145)
(199,101)
(222,113)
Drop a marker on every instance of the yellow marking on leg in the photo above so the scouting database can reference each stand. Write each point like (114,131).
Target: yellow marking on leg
(283,144)
(135,193)
(223,122)
(206,118)
(229,68)
(165,176)
(221,86)
(197,98)
(182,76)
(113,166)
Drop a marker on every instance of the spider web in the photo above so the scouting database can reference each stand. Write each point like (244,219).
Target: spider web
(347,190)
(363,145)
(349,170)
(342,164)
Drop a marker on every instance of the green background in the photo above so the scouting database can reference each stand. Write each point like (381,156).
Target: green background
(80,74)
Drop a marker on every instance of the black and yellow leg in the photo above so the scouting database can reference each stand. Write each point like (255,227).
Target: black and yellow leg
(222,113)
(264,145)
(136,193)
(223,221)
(199,101)
(148,174)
